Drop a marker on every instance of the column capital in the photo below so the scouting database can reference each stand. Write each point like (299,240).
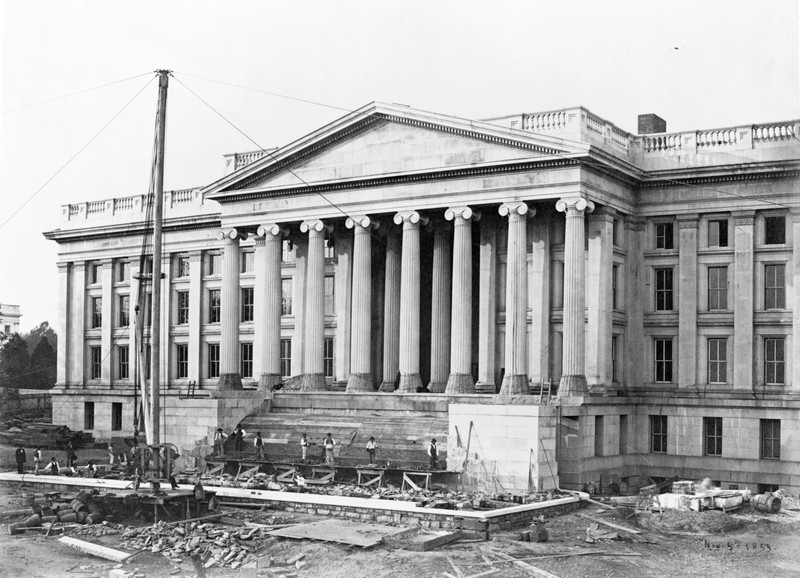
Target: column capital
(464,213)
(518,208)
(689,221)
(409,217)
(232,234)
(273,229)
(79,265)
(194,256)
(744,217)
(260,242)
(606,214)
(361,221)
(574,204)
(315,225)
(63,266)
(634,223)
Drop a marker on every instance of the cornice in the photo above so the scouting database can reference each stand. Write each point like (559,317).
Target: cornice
(130,230)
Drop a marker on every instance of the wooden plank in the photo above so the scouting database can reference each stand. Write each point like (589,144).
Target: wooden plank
(609,524)
(94,549)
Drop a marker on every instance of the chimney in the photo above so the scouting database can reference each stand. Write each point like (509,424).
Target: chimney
(651,123)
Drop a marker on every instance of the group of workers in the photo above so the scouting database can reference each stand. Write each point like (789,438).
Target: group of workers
(52,467)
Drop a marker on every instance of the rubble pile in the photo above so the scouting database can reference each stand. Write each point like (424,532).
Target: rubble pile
(44,435)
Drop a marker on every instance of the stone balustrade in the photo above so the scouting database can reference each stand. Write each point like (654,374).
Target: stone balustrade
(235,161)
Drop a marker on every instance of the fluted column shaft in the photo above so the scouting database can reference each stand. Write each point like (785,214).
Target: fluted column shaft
(440,309)
(573,376)
(410,379)
(268,282)
(314,371)
(460,379)
(360,379)
(391,313)
(229,376)
(515,380)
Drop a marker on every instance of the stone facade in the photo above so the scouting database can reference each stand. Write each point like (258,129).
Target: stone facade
(641,275)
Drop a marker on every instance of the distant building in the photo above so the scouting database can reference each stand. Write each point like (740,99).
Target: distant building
(654,279)
(9,318)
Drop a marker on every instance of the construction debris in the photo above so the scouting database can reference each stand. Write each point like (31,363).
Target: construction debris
(341,531)
(94,549)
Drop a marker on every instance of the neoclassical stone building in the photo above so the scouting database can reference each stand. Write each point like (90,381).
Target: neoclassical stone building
(652,280)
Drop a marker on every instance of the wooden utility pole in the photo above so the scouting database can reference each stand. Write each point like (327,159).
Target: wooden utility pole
(154,432)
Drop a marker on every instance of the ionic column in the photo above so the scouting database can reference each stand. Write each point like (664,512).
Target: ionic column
(687,301)
(410,379)
(487,307)
(229,376)
(539,279)
(743,300)
(460,379)
(391,313)
(360,379)
(515,381)
(440,308)
(269,247)
(314,349)
(62,324)
(573,376)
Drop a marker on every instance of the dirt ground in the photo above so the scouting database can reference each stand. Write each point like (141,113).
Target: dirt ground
(710,544)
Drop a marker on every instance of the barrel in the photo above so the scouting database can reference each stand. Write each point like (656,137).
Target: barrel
(28,499)
(767,503)
(94,518)
(77,505)
(67,516)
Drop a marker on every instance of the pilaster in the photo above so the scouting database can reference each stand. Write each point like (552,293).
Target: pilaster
(460,379)
(166,320)
(360,379)
(391,313)
(410,380)
(794,352)
(62,324)
(687,301)
(440,307)
(107,327)
(743,223)
(77,325)
(195,315)
(573,377)
(599,299)
(487,306)
(313,352)
(229,376)
(633,356)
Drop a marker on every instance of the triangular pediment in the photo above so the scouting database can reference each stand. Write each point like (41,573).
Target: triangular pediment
(387,142)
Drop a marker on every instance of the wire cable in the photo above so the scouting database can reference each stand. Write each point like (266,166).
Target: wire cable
(72,158)
(74,93)
(314,102)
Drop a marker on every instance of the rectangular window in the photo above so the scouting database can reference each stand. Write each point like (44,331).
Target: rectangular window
(663,289)
(286,297)
(663,349)
(327,358)
(718,233)
(213,360)
(214,309)
(717,360)
(95,273)
(123,362)
(712,436)
(623,434)
(183,307)
(598,435)
(329,289)
(664,236)
(774,286)
(88,415)
(97,312)
(248,258)
(247,304)
(774,360)
(182,355)
(123,271)
(658,434)
(770,439)
(246,357)
(615,303)
(286,357)
(124,310)
(287,251)
(183,267)
(330,249)
(116,417)
(214,264)
(717,288)
(774,230)
(97,363)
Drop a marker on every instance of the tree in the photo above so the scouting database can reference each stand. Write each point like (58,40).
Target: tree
(14,363)
(42,365)
(35,335)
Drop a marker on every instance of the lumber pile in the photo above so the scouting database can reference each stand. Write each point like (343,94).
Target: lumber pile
(44,435)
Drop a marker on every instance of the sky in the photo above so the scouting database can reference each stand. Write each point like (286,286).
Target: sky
(708,64)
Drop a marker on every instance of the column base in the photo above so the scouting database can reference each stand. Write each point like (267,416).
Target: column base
(360,383)
(437,386)
(268,381)
(409,383)
(482,387)
(515,385)
(386,387)
(229,382)
(460,383)
(314,382)
(573,386)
